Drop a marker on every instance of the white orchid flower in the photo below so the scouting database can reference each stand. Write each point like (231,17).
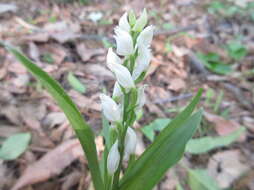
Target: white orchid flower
(141,22)
(117,91)
(110,109)
(130,143)
(122,74)
(124,42)
(112,58)
(142,61)
(145,37)
(113,158)
(124,23)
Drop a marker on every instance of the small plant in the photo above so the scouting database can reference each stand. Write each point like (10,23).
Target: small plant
(213,62)
(119,168)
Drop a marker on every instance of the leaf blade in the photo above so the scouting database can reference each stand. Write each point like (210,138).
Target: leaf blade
(150,165)
(205,144)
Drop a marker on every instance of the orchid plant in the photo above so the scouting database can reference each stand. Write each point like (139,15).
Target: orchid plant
(119,168)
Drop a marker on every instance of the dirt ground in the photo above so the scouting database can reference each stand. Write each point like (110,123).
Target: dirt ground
(70,37)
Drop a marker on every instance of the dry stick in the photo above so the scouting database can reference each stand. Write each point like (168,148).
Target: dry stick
(239,95)
(172,99)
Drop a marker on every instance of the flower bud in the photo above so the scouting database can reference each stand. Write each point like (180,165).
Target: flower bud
(142,61)
(123,23)
(122,74)
(141,22)
(113,158)
(117,92)
(145,37)
(132,18)
(112,58)
(124,42)
(130,143)
(110,109)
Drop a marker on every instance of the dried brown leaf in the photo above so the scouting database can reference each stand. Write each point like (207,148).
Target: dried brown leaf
(227,166)
(51,164)
(86,53)
(223,126)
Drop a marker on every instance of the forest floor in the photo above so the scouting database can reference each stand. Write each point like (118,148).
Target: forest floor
(197,44)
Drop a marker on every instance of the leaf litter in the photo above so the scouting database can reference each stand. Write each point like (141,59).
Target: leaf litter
(63,38)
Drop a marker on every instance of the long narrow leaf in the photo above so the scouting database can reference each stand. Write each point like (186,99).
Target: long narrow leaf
(166,150)
(82,130)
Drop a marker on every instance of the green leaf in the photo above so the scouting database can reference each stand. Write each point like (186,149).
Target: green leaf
(82,130)
(14,146)
(164,152)
(47,57)
(157,125)
(75,83)
(213,63)
(199,180)
(179,187)
(236,50)
(205,144)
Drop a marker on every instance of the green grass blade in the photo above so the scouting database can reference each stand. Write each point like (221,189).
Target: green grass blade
(82,130)
(166,150)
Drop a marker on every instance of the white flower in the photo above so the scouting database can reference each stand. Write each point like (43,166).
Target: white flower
(117,92)
(130,143)
(112,58)
(142,61)
(141,22)
(110,109)
(145,37)
(113,159)
(123,23)
(141,97)
(124,42)
(122,74)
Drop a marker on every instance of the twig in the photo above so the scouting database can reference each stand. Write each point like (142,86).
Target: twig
(176,30)
(173,99)
(239,95)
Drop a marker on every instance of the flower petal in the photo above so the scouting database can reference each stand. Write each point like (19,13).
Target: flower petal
(142,61)
(113,158)
(110,109)
(123,23)
(124,42)
(145,37)
(130,143)
(117,92)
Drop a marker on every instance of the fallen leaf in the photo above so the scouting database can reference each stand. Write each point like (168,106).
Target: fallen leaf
(51,164)
(6,177)
(21,80)
(99,71)
(223,126)
(86,53)
(36,37)
(33,52)
(55,118)
(249,123)
(177,84)
(71,180)
(227,166)
(84,102)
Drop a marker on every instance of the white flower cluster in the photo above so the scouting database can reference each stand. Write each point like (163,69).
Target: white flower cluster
(133,41)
